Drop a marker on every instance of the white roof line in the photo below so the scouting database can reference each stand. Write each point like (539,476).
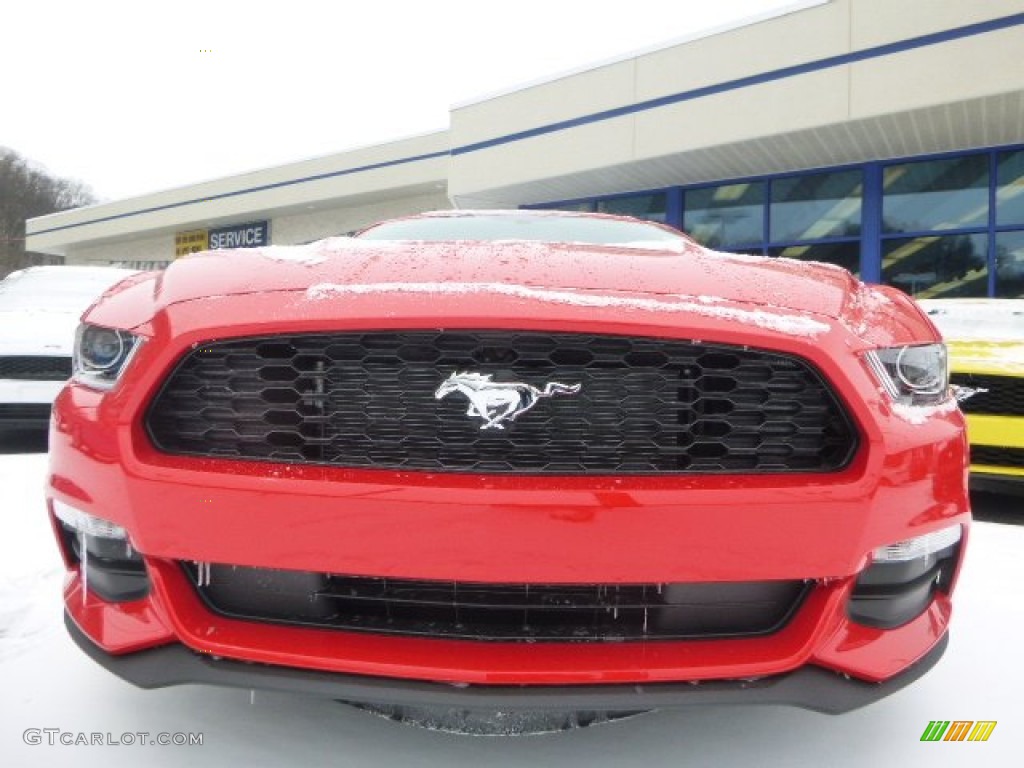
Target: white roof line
(795,7)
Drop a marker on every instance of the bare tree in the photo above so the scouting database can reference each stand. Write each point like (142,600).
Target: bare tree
(26,191)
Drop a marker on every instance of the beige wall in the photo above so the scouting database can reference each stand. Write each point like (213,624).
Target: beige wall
(264,194)
(302,228)
(153,248)
(913,92)
(284,230)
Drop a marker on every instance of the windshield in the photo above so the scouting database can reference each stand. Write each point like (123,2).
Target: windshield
(545,227)
(56,291)
(998,320)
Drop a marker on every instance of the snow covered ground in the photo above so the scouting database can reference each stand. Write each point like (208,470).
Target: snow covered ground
(45,682)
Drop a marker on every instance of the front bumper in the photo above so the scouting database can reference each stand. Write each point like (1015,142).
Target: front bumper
(26,404)
(569,530)
(907,480)
(997,450)
(630,532)
(810,688)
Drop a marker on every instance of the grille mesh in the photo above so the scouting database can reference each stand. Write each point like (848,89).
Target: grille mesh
(501,612)
(24,412)
(1003,395)
(35,368)
(997,456)
(368,400)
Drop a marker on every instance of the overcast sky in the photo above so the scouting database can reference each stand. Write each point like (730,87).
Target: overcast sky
(133,97)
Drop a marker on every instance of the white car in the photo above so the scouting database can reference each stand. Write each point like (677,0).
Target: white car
(39,312)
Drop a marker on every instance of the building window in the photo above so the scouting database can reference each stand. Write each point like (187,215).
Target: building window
(933,195)
(937,267)
(948,226)
(728,216)
(584,206)
(1010,265)
(816,206)
(1010,189)
(651,207)
(846,255)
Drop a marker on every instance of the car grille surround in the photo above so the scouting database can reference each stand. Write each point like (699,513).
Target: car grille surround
(367,400)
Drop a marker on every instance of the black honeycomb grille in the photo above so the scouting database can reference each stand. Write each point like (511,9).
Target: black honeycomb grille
(35,368)
(24,412)
(368,400)
(997,456)
(997,395)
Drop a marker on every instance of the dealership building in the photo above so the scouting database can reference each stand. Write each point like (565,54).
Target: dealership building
(886,136)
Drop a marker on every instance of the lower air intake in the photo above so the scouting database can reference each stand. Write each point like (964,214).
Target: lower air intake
(499,612)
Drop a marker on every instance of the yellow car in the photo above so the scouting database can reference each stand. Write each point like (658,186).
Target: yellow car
(985,338)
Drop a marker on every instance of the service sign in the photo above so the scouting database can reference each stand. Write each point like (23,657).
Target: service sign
(251,235)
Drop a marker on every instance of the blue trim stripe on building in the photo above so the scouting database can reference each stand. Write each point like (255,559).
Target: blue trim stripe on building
(745,82)
(880,51)
(248,190)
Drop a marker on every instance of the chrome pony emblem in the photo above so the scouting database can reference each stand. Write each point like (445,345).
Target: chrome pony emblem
(962,393)
(496,402)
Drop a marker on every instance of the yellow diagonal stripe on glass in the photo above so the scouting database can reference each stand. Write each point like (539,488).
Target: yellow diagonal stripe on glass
(982,730)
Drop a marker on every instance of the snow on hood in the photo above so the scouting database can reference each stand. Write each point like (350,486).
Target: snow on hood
(37,332)
(977,320)
(780,294)
(693,271)
(707,306)
(987,356)
(313,253)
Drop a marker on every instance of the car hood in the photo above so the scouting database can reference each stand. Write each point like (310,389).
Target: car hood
(37,332)
(686,272)
(992,357)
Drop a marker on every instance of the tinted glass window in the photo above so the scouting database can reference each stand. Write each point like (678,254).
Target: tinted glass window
(1010,265)
(845,255)
(547,228)
(1010,192)
(650,207)
(584,206)
(725,216)
(937,267)
(936,194)
(817,206)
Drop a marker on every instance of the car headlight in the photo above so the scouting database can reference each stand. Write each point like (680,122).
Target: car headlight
(101,354)
(914,375)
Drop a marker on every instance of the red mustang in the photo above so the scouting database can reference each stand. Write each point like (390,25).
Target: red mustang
(511,460)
